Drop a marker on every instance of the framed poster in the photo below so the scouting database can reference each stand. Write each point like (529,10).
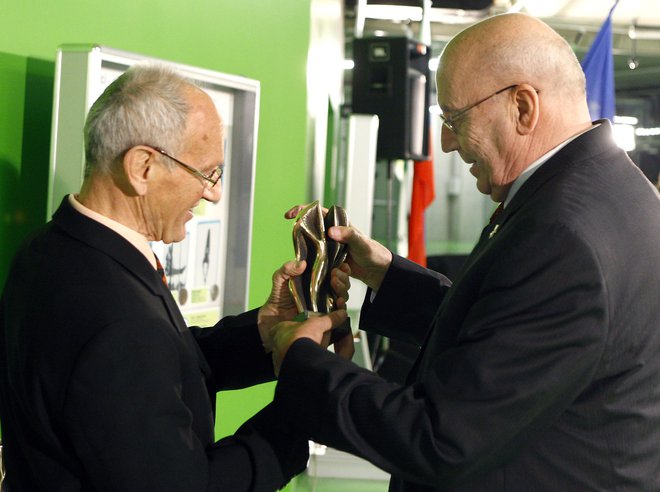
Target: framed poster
(208,272)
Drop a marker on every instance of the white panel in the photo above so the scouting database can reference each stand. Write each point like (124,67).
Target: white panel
(360,178)
(216,250)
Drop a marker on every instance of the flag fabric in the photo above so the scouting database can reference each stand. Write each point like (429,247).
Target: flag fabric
(598,66)
(423,193)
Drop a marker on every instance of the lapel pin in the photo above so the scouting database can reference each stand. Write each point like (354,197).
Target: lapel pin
(494,231)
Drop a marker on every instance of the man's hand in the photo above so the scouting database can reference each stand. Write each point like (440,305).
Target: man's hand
(280,305)
(345,346)
(317,329)
(368,259)
(340,281)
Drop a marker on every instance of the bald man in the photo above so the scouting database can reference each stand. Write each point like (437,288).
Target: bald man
(539,368)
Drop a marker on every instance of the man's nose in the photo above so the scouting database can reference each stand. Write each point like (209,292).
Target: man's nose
(214,193)
(448,140)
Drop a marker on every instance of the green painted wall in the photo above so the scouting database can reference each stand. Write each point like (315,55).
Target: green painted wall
(266,40)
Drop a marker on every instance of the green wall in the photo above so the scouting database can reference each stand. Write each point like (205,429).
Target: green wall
(266,40)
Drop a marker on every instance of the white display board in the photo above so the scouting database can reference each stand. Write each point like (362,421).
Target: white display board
(208,272)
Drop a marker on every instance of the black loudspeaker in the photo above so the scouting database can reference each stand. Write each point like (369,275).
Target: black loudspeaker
(391,79)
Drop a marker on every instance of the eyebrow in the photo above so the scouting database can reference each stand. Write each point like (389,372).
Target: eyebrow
(448,112)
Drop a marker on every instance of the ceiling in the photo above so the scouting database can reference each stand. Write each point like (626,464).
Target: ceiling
(635,25)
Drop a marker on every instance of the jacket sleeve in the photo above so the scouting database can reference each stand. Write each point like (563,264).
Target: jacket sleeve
(528,345)
(234,352)
(406,302)
(128,421)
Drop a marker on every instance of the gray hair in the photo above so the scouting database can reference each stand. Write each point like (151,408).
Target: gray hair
(145,105)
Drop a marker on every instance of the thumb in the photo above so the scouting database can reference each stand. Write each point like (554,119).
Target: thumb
(345,234)
(359,245)
(316,326)
(294,268)
(337,317)
(290,269)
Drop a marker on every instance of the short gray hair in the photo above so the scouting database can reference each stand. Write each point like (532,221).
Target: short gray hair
(145,105)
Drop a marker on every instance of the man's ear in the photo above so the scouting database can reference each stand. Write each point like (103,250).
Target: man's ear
(528,104)
(138,166)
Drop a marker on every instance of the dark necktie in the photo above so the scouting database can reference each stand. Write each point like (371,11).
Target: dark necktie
(160,270)
(496,212)
(491,228)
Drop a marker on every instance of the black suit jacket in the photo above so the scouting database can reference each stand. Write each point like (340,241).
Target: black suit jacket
(540,366)
(103,387)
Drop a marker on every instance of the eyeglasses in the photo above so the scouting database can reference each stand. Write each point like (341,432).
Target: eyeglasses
(211,180)
(449,121)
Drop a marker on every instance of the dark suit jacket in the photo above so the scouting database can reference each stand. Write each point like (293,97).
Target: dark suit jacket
(540,366)
(103,387)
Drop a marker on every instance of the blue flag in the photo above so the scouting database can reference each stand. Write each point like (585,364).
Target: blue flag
(598,66)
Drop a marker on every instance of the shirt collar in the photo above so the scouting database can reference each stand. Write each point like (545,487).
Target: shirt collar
(133,237)
(525,175)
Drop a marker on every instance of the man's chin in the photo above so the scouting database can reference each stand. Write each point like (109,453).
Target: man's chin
(174,238)
(484,188)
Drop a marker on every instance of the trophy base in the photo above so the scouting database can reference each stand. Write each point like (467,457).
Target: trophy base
(336,333)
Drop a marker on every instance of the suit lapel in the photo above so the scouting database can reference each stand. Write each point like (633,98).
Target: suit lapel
(106,240)
(598,138)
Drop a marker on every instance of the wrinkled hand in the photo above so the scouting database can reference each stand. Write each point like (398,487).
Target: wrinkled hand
(368,259)
(316,328)
(280,305)
(340,281)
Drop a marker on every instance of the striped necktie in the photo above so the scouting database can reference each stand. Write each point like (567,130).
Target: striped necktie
(160,270)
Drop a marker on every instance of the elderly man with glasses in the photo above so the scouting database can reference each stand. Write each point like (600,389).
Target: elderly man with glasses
(539,368)
(102,384)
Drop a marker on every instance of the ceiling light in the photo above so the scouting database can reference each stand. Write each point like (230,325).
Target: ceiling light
(393,12)
(625,120)
(543,8)
(647,132)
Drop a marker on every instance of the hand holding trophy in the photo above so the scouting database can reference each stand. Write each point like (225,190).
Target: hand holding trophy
(311,290)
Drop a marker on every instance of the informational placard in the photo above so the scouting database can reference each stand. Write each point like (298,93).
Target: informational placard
(208,272)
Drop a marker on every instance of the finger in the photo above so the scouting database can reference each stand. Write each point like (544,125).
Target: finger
(346,235)
(277,363)
(337,318)
(345,346)
(325,340)
(290,269)
(340,284)
(340,277)
(320,324)
(294,268)
(293,212)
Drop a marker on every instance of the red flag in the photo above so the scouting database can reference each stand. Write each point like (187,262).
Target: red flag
(423,193)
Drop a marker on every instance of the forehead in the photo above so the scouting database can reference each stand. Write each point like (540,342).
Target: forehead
(450,91)
(203,116)
(455,82)
(204,137)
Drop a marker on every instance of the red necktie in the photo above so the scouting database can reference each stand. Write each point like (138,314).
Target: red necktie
(497,212)
(160,270)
